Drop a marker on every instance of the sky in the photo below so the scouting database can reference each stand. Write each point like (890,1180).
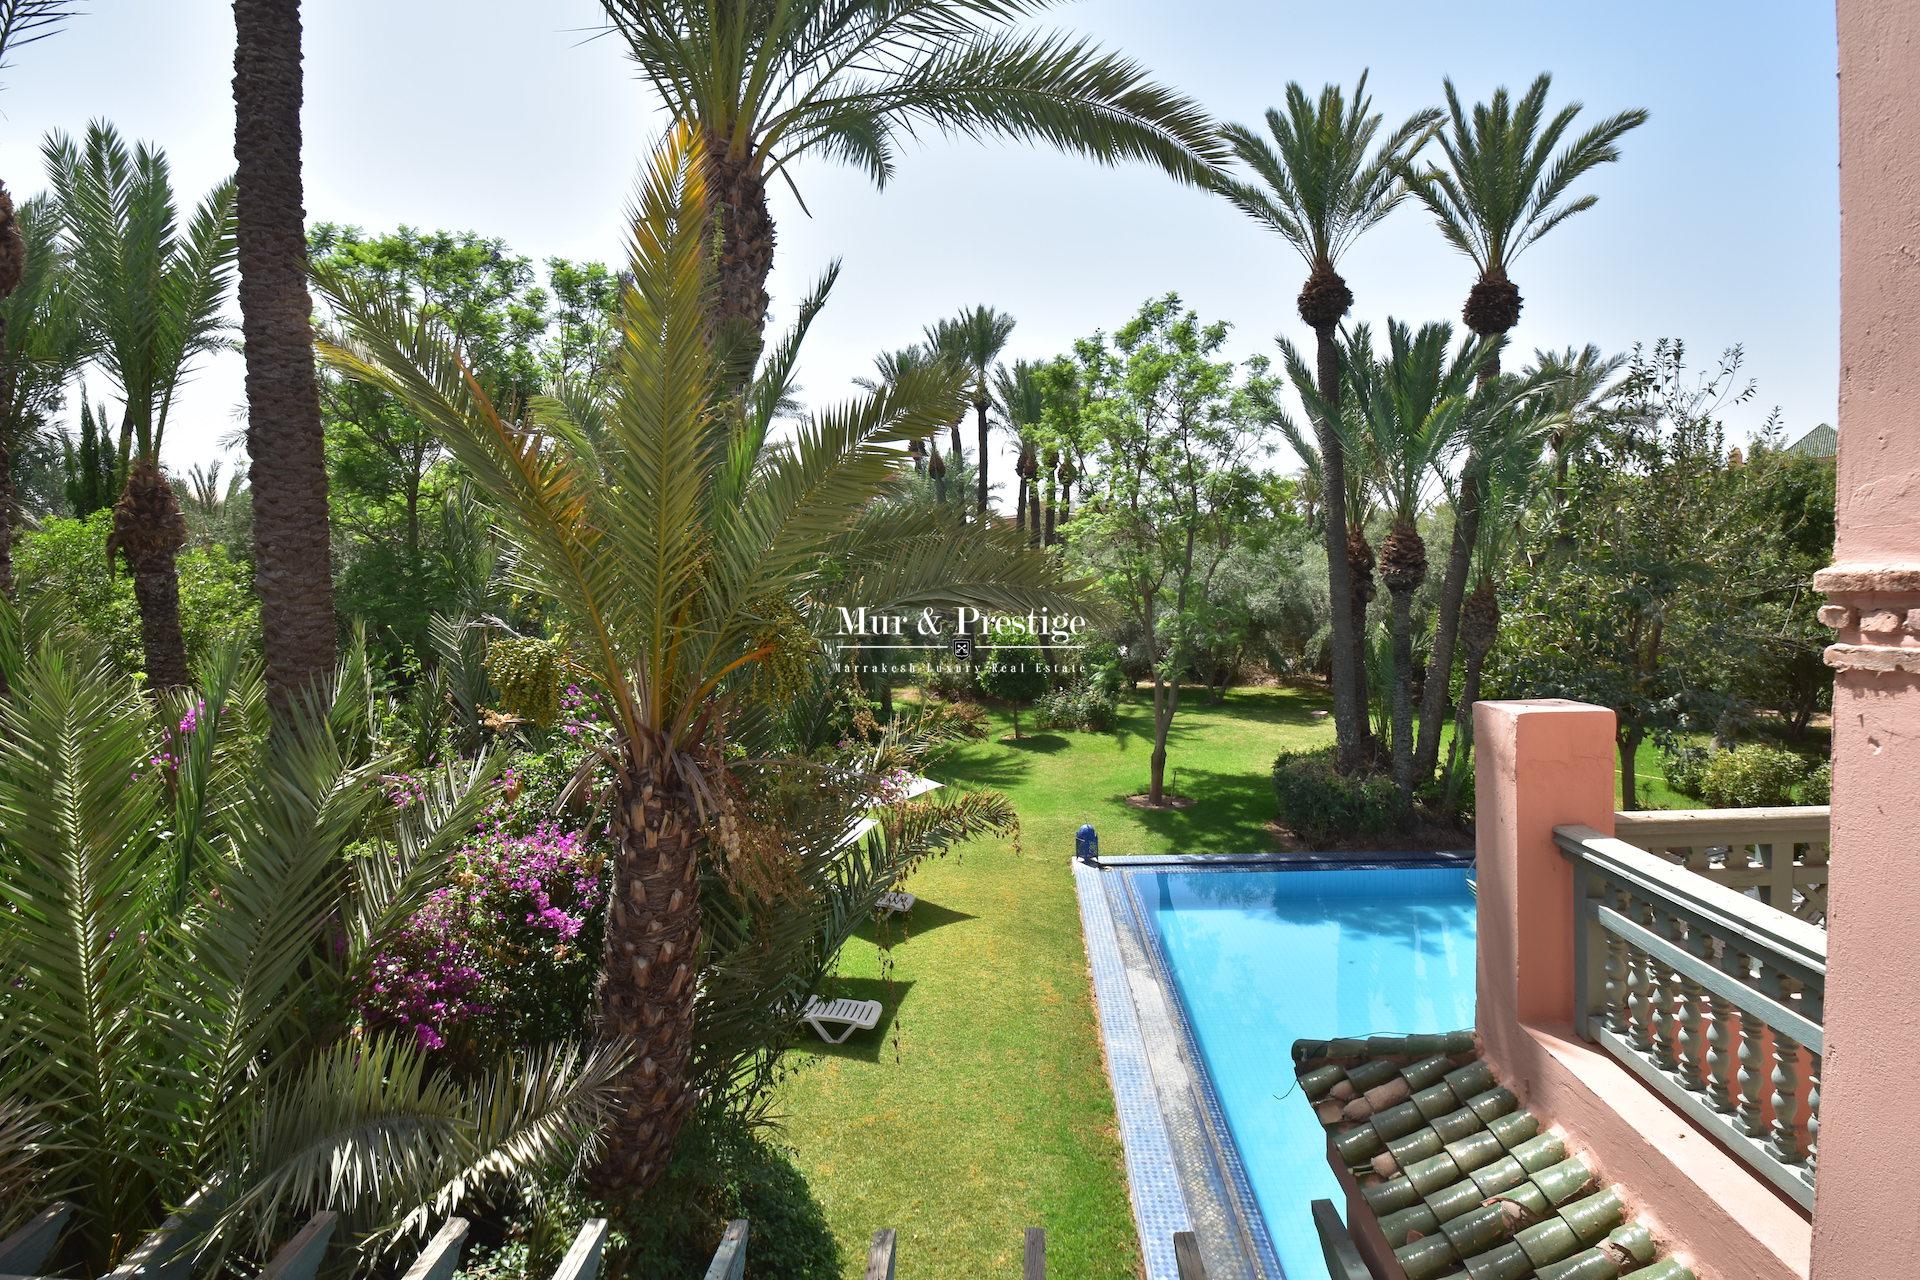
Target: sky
(1719,226)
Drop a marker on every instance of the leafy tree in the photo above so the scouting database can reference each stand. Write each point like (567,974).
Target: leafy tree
(847,81)
(1320,184)
(1171,430)
(1788,498)
(87,465)
(1503,186)
(151,294)
(1638,602)
(1016,675)
(679,550)
(388,470)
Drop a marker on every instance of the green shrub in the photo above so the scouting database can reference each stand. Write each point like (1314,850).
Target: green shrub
(1320,805)
(1015,675)
(1086,708)
(723,1170)
(1818,788)
(1751,776)
(1685,764)
(68,559)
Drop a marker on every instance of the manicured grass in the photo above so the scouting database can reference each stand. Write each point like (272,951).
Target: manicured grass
(981,1107)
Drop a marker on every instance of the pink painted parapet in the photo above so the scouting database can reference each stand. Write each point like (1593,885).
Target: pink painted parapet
(1864,1218)
(1545,764)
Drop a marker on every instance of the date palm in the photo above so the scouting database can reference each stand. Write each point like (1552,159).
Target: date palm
(688,558)
(21,23)
(973,340)
(1023,403)
(1414,406)
(1509,176)
(42,346)
(769,82)
(150,293)
(293,565)
(1320,182)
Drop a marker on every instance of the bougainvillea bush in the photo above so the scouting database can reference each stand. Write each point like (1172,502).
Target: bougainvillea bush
(505,952)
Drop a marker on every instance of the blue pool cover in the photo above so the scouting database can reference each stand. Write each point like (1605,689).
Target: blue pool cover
(1262,957)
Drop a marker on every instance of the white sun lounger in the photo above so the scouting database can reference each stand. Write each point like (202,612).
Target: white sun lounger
(899,902)
(848,1016)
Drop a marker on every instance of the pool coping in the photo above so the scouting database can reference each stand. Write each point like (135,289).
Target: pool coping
(1163,1190)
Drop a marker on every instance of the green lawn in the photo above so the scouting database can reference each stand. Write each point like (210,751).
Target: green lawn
(981,1106)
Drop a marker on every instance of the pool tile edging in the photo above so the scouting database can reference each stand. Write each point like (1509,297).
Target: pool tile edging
(1153,1187)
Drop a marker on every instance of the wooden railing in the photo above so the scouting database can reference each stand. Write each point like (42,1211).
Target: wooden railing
(1779,856)
(1711,997)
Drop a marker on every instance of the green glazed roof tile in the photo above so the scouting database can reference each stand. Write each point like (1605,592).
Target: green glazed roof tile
(1462,1180)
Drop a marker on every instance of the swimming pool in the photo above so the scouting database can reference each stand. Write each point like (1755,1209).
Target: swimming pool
(1259,956)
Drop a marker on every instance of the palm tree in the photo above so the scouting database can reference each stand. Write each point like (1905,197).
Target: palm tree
(150,294)
(974,340)
(182,890)
(1413,406)
(767,84)
(1578,386)
(293,566)
(21,23)
(1502,188)
(1320,182)
(689,557)
(1510,441)
(1023,403)
(42,346)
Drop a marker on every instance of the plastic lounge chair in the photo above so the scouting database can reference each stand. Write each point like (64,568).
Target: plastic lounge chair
(848,1016)
(899,902)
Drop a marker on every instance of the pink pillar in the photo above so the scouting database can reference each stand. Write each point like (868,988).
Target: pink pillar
(1864,1219)
(1541,764)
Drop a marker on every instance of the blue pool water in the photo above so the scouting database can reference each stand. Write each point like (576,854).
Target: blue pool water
(1261,958)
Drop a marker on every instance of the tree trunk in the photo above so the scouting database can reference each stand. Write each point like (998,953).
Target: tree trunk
(1629,749)
(1165,702)
(980,408)
(743,225)
(1020,507)
(953,430)
(1403,692)
(1349,705)
(647,983)
(1053,468)
(1461,749)
(149,531)
(293,565)
(1453,590)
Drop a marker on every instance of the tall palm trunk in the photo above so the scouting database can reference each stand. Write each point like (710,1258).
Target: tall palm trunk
(953,431)
(980,408)
(1479,627)
(1493,301)
(292,550)
(1067,476)
(149,531)
(1403,568)
(1053,480)
(1025,468)
(1323,299)
(743,225)
(645,999)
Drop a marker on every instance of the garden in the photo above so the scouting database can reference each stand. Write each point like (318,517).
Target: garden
(466,801)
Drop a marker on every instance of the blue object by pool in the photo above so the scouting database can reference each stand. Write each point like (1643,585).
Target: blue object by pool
(1086,843)
(1261,958)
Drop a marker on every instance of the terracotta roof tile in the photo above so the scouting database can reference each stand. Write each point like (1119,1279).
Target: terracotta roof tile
(1464,1183)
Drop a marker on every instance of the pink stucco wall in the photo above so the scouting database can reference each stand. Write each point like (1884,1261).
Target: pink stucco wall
(1864,1213)
(1545,764)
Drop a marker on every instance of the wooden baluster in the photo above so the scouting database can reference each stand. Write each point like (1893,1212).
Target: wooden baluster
(1639,985)
(1785,1142)
(1749,1118)
(1813,1120)
(1719,1040)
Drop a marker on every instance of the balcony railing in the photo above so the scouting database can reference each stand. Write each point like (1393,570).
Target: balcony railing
(1777,855)
(1710,995)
